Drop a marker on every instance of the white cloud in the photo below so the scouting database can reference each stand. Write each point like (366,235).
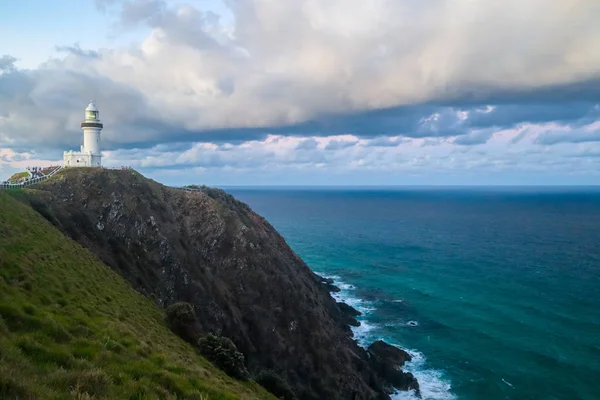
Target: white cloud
(281,153)
(284,62)
(454,65)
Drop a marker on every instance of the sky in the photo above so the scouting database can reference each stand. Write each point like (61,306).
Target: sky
(308,92)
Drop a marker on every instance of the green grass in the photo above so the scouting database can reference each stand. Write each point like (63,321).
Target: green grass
(18,176)
(71,328)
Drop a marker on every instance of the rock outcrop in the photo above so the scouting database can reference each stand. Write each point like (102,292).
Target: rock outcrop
(212,251)
(386,361)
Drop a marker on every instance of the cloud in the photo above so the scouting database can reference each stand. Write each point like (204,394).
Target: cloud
(7,63)
(288,160)
(383,141)
(510,115)
(436,74)
(589,133)
(341,143)
(307,144)
(77,51)
(474,138)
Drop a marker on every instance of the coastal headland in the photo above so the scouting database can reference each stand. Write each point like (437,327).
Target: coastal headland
(203,247)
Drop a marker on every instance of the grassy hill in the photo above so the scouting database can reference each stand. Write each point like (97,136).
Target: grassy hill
(19,176)
(70,327)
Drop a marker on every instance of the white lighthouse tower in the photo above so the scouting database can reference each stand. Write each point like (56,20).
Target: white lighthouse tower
(90,155)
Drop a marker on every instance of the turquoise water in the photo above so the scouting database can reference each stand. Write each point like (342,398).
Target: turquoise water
(495,291)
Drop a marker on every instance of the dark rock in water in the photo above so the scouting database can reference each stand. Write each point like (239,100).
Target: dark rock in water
(401,380)
(388,353)
(327,283)
(333,288)
(344,315)
(212,251)
(386,361)
(348,310)
(348,314)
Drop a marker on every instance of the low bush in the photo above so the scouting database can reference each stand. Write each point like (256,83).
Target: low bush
(275,384)
(224,354)
(182,320)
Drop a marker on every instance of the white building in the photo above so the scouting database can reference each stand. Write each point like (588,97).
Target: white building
(89,154)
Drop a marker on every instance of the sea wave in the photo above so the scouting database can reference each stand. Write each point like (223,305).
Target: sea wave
(433,384)
(363,333)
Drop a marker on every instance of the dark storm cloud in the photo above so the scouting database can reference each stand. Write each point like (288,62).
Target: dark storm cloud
(289,68)
(130,123)
(510,115)
(469,95)
(408,122)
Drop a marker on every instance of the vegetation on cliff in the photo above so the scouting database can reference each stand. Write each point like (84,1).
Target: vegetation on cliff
(70,327)
(17,177)
(224,354)
(242,280)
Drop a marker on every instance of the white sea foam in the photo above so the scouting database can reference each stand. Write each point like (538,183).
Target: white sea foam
(508,383)
(362,333)
(346,295)
(433,384)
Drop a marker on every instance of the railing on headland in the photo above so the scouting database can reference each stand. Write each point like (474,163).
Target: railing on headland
(29,181)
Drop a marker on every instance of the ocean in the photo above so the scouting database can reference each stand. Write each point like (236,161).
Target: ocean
(495,291)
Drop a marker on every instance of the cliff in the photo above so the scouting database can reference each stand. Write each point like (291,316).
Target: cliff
(70,327)
(210,250)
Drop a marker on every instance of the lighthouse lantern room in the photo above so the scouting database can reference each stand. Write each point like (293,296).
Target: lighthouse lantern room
(89,154)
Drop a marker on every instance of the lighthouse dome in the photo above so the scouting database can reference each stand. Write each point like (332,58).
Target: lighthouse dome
(91,107)
(91,112)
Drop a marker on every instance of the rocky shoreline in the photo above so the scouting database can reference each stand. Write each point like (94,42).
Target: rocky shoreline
(385,359)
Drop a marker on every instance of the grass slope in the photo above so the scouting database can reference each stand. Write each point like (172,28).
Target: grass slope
(72,328)
(19,176)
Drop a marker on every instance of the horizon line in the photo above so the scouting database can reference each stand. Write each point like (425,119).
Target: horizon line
(401,186)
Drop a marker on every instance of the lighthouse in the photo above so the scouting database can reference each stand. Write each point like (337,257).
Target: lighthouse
(89,154)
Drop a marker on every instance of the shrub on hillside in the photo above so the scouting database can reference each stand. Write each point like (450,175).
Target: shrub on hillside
(224,354)
(275,384)
(183,322)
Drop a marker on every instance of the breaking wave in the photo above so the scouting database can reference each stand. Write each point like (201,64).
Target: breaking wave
(433,384)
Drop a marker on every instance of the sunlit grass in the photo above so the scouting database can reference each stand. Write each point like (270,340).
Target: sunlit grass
(72,328)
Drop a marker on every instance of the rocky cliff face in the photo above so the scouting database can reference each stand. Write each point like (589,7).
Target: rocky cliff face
(210,250)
